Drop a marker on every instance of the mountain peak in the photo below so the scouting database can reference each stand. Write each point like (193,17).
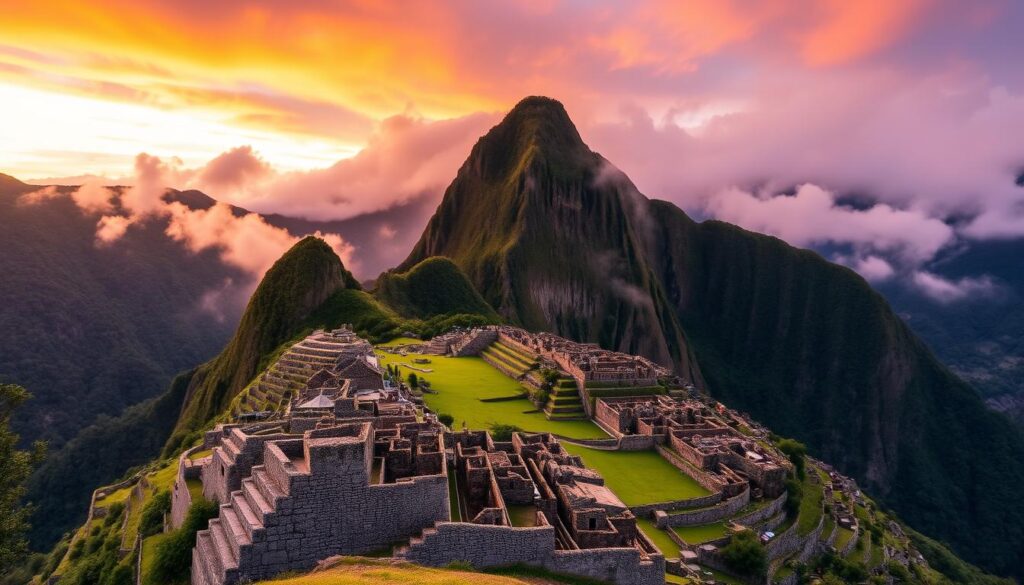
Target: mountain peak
(536,130)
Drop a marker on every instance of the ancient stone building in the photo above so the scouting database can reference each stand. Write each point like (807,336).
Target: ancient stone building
(346,489)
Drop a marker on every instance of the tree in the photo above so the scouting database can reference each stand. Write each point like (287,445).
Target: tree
(414,382)
(797,453)
(745,555)
(446,419)
(503,432)
(15,467)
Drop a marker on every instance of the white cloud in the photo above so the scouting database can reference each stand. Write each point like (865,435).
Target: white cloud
(947,291)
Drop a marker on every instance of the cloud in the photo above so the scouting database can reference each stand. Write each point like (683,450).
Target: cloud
(407,157)
(874,268)
(232,170)
(948,291)
(92,197)
(39,196)
(811,217)
(111,228)
(244,241)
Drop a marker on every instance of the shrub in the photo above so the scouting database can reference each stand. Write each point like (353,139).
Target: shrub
(172,560)
(503,432)
(794,495)
(446,419)
(152,520)
(113,514)
(797,453)
(745,555)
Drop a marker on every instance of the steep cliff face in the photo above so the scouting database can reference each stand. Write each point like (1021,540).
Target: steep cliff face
(546,231)
(557,239)
(292,290)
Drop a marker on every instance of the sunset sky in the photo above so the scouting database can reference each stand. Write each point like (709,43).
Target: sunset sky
(769,114)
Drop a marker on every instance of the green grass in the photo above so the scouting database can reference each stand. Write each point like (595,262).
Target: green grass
(522,515)
(120,495)
(366,571)
(461,383)
(701,533)
(659,537)
(810,505)
(639,477)
(453,497)
(401,341)
(148,556)
(842,538)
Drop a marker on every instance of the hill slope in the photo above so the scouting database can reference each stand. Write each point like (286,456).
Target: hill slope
(294,287)
(435,286)
(555,238)
(90,330)
(549,242)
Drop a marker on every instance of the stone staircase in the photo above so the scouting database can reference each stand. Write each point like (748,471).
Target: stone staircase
(564,402)
(241,521)
(477,341)
(408,551)
(288,375)
(509,361)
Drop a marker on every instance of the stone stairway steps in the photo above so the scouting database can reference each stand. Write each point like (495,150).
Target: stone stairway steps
(237,535)
(205,549)
(256,500)
(251,520)
(227,555)
(269,488)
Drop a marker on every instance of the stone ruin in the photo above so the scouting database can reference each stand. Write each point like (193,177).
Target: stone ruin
(732,462)
(585,362)
(356,484)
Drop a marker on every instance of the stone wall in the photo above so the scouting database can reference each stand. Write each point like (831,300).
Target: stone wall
(724,509)
(762,514)
(481,545)
(622,566)
(317,501)
(181,498)
(494,546)
(648,510)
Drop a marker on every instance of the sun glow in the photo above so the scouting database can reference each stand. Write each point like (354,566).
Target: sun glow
(43,132)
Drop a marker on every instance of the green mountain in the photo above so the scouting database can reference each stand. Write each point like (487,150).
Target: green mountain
(551,242)
(556,238)
(290,292)
(435,286)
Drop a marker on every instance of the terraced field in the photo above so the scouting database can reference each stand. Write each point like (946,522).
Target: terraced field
(639,477)
(480,396)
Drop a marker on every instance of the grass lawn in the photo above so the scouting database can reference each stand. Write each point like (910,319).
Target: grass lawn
(120,495)
(400,341)
(659,537)
(200,454)
(639,477)
(842,538)
(810,505)
(365,571)
(461,383)
(701,533)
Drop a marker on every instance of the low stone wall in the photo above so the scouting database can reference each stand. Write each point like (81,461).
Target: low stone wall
(699,475)
(484,546)
(647,510)
(790,542)
(181,498)
(640,442)
(622,566)
(762,514)
(724,509)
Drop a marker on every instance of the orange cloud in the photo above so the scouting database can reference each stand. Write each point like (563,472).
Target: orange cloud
(850,30)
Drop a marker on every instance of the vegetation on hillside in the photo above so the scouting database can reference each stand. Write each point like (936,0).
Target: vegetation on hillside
(15,467)
(435,286)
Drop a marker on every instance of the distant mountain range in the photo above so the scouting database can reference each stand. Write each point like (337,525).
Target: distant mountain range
(551,236)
